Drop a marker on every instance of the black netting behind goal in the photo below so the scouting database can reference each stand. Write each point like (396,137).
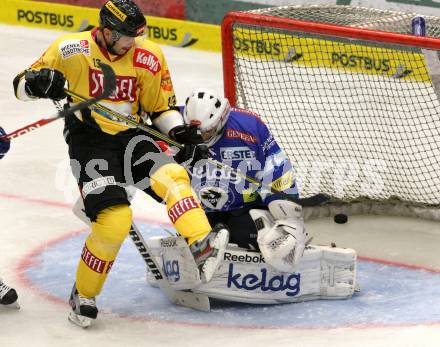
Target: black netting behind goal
(358,118)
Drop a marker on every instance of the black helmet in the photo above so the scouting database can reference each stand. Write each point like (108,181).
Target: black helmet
(123,16)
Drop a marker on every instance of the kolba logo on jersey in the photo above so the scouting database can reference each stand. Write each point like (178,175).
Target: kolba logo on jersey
(146,60)
(125,86)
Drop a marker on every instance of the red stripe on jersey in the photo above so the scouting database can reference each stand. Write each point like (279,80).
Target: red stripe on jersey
(92,261)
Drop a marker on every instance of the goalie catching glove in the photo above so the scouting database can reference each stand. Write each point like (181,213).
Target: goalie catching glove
(45,83)
(281,234)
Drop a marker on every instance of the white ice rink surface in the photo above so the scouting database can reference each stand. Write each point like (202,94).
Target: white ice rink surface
(34,211)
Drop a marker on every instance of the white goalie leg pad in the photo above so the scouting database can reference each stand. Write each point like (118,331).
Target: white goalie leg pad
(244,276)
(176,260)
(281,242)
(323,273)
(332,277)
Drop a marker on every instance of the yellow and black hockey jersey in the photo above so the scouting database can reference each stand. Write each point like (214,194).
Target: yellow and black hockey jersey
(143,79)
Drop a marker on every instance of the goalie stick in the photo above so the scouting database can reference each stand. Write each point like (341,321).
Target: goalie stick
(108,88)
(311,201)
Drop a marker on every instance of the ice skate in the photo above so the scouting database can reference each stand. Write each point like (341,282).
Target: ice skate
(8,296)
(84,310)
(208,252)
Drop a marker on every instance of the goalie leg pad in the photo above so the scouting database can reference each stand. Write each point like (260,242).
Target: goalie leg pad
(244,276)
(177,262)
(323,273)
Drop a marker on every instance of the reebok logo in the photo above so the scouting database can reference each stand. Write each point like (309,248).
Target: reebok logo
(244,258)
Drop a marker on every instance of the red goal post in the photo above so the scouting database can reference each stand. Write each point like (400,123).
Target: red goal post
(342,94)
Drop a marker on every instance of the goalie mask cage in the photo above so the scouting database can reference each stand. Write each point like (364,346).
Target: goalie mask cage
(348,94)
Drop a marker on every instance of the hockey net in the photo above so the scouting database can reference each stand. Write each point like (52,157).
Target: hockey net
(349,95)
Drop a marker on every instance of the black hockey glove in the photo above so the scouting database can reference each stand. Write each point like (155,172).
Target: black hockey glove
(45,83)
(186,134)
(192,153)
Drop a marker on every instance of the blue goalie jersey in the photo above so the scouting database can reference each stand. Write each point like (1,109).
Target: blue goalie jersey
(247,145)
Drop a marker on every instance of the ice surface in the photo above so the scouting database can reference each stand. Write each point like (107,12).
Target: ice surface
(36,193)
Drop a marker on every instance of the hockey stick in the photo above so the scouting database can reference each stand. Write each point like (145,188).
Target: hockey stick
(28,128)
(108,88)
(184,298)
(311,201)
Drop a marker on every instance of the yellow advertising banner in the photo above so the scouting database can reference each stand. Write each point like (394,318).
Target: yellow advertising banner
(172,32)
(331,52)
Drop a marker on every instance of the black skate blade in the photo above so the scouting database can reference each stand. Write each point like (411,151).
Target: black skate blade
(81,321)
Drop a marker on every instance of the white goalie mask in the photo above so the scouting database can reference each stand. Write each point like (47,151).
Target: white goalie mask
(209,111)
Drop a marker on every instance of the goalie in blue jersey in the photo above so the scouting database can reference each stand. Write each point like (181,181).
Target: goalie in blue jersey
(241,140)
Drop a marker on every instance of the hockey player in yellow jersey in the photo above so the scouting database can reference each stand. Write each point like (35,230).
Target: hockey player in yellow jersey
(106,154)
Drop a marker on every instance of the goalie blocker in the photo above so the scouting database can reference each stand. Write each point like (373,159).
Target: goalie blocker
(244,276)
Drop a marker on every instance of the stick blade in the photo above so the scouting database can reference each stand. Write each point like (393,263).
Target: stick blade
(109,80)
(109,85)
(196,301)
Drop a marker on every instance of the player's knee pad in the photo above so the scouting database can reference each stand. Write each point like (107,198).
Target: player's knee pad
(167,177)
(113,224)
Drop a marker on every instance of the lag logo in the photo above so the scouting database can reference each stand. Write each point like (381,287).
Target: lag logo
(286,283)
(171,270)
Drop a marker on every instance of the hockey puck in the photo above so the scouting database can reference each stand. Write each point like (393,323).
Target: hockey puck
(341,218)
